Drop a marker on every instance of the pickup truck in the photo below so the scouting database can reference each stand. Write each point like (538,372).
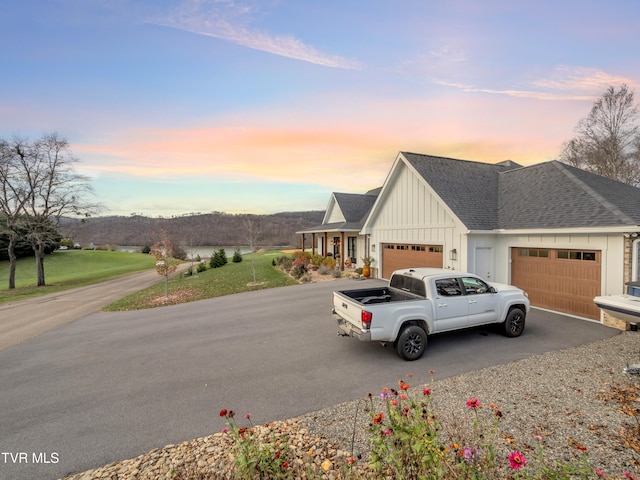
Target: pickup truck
(422,301)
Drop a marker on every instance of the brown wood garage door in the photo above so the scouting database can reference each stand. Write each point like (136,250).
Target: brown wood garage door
(561,280)
(400,255)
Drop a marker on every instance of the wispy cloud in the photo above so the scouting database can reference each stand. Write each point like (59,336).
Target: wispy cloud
(227,20)
(563,83)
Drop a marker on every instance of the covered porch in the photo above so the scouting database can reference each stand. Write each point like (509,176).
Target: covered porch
(342,244)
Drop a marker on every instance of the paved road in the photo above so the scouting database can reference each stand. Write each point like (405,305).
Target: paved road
(20,321)
(111,386)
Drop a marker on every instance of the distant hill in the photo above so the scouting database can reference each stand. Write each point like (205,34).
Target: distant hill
(214,228)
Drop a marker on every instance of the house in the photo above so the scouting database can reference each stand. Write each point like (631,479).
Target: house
(562,234)
(339,234)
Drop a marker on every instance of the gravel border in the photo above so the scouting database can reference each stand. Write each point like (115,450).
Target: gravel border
(568,397)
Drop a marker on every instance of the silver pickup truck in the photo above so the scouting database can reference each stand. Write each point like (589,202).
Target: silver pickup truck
(422,301)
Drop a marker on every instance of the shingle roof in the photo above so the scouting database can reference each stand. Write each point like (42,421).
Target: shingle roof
(546,195)
(355,208)
(469,188)
(556,195)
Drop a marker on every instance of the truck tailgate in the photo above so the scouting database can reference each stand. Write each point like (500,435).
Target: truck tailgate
(347,309)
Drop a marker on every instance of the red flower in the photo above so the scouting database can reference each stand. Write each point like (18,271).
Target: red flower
(278,454)
(426,392)
(223,412)
(473,403)
(378,419)
(285,465)
(404,386)
(517,460)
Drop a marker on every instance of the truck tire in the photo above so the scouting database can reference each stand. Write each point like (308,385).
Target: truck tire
(411,343)
(513,326)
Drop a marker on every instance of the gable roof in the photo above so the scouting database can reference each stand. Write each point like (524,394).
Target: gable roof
(556,195)
(470,189)
(355,209)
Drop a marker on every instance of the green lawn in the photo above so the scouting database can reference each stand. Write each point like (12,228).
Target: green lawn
(214,282)
(69,269)
(75,268)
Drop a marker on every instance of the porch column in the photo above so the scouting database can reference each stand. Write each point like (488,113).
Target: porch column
(313,243)
(341,250)
(303,242)
(326,245)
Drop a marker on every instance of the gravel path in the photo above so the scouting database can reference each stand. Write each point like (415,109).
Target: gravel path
(570,398)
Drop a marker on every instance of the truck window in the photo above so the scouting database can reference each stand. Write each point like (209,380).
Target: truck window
(448,287)
(474,286)
(417,287)
(400,282)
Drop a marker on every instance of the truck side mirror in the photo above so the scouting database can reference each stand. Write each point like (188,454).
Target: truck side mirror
(492,290)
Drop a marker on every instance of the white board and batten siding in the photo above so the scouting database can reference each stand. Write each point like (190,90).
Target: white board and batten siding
(411,214)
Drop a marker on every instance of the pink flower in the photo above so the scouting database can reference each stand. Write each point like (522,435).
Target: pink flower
(600,473)
(226,430)
(473,403)
(629,475)
(426,392)
(247,416)
(517,460)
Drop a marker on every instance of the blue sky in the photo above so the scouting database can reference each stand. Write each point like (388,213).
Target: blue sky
(264,106)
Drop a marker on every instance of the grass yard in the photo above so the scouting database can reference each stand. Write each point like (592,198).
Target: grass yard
(70,269)
(214,282)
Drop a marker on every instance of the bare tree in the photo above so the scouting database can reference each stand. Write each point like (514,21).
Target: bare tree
(608,139)
(52,188)
(252,231)
(13,197)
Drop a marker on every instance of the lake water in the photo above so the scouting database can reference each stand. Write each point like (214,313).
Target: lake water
(193,252)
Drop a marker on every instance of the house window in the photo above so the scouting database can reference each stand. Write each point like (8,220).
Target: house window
(389,247)
(435,249)
(403,247)
(351,247)
(577,255)
(418,248)
(534,252)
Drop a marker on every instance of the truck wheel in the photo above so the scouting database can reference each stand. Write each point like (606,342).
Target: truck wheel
(411,343)
(514,323)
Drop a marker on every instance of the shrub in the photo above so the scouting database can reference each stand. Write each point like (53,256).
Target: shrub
(202,267)
(237,256)
(324,270)
(218,259)
(146,249)
(300,267)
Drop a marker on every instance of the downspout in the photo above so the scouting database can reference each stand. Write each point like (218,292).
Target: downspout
(634,259)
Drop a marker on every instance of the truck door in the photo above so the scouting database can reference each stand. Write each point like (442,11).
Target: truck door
(483,305)
(452,307)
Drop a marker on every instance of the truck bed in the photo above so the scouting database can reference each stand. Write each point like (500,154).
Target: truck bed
(368,296)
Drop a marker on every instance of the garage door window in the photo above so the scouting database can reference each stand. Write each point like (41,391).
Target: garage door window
(577,255)
(534,252)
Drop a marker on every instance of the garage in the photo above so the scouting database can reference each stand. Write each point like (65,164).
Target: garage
(557,279)
(401,255)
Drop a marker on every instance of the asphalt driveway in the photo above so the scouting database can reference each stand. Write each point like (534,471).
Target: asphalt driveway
(111,386)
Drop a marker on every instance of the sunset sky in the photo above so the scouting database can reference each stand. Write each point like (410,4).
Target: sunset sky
(179,106)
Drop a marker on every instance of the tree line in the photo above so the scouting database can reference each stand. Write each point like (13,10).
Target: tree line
(38,185)
(195,230)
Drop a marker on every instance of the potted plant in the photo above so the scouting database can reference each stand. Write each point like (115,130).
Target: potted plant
(366,269)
